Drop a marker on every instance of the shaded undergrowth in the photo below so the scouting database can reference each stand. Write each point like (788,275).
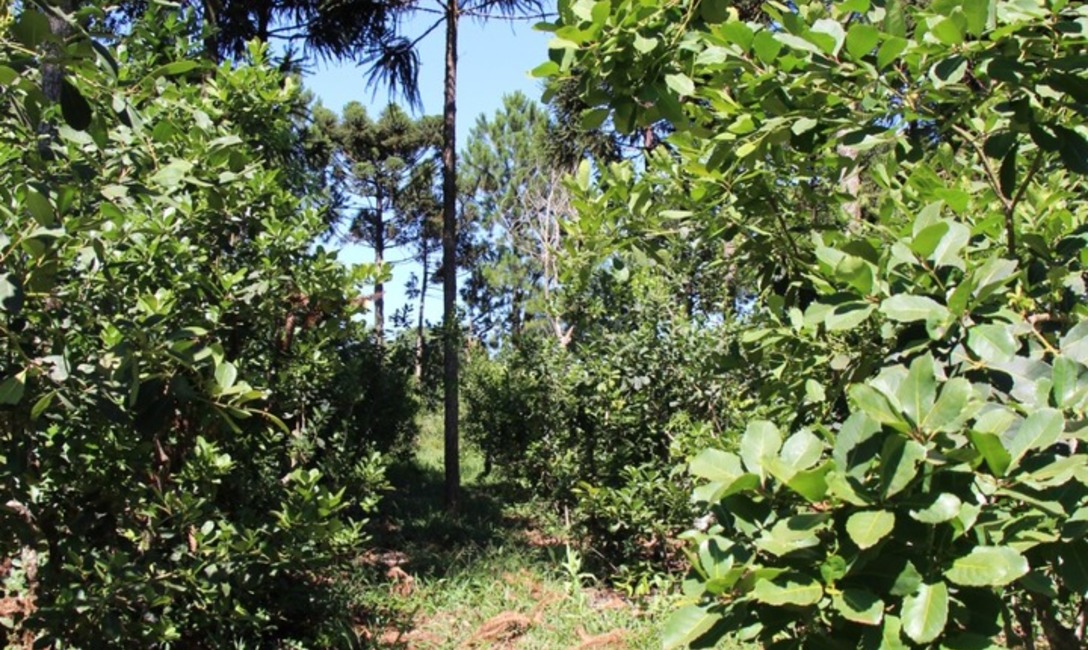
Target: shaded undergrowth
(501,574)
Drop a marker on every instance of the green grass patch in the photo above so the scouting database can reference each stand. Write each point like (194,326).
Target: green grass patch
(501,574)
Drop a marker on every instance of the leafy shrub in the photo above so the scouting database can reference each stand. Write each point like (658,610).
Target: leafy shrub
(897,186)
(172,337)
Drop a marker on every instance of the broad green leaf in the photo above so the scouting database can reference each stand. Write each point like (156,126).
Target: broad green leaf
(951,409)
(11,294)
(74,107)
(848,316)
(802,450)
(868,528)
(738,33)
(1073,566)
(686,625)
(174,68)
(992,451)
(899,462)
(855,430)
(716,465)
(944,508)
(925,612)
(681,84)
(173,173)
(12,388)
(225,375)
(993,343)
(918,392)
(875,404)
(811,483)
(860,40)
(907,582)
(859,606)
(948,31)
(889,52)
(1066,376)
(788,590)
(1074,344)
(1039,430)
(792,534)
(760,440)
(831,29)
(906,308)
(40,208)
(988,566)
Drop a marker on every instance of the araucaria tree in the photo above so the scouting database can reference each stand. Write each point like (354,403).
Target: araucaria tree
(383,170)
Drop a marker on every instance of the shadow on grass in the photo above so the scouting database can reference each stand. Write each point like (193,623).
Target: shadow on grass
(412,521)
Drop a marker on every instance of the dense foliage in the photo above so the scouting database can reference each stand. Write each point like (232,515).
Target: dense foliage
(189,435)
(897,191)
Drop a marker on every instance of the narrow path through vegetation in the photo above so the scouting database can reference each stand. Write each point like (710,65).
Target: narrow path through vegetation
(502,575)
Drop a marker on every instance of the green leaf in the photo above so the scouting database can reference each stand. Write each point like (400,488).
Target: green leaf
(792,589)
(681,84)
(11,294)
(1073,149)
(988,566)
(917,393)
(686,625)
(716,465)
(175,68)
(992,451)
(173,173)
(74,107)
(812,483)
(544,70)
(1074,344)
(948,31)
(761,440)
(40,208)
(889,52)
(1039,430)
(875,404)
(868,528)
(899,460)
(925,612)
(12,388)
(645,45)
(225,375)
(738,33)
(859,606)
(951,409)
(766,46)
(860,40)
(1007,173)
(594,118)
(948,71)
(831,29)
(907,582)
(945,508)
(905,308)
(993,343)
(1066,377)
(31,28)
(802,450)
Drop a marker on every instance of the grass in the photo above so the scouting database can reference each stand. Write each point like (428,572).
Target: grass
(499,575)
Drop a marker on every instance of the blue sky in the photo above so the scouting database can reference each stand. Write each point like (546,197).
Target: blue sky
(495,59)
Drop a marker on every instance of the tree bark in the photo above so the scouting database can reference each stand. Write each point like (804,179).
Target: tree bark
(420,343)
(449,263)
(379,260)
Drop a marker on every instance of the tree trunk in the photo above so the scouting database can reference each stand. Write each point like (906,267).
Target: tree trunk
(449,261)
(422,303)
(379,261)
(211,30)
